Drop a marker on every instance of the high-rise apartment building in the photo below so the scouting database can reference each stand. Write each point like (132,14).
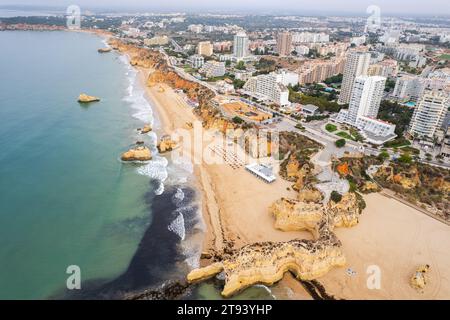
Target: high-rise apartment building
(363,110)
(357,64)
(240,46)
(284,43)
(267,86)
(430,113)
(366,97)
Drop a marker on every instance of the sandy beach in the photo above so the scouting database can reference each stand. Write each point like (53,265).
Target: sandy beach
(398,239)
(391,235)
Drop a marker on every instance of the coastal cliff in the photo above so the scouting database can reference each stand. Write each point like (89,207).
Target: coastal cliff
(266,263)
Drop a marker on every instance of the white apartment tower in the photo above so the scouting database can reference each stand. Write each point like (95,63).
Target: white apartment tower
(363,110)
(357,64)
(430,113)
(366,98)
(240,45)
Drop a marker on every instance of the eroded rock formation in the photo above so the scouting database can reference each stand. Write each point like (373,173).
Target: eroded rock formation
(418,280)
(166,144)
(266,263)
(146,129)
(293,215)
(84,98)
(137,154)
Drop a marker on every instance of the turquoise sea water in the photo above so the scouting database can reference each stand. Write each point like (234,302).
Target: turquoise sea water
(65,198)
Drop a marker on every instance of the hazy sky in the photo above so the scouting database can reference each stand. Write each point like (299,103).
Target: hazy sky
(441,7)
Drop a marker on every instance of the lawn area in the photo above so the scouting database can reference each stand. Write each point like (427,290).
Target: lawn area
(330,127)
(444,57)
(397,143)
(410,150)
(345,135)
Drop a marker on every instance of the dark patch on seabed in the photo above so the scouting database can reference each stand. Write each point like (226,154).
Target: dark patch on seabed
(158,265)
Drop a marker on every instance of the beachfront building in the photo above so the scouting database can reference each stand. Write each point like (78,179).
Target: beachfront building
(387,68)
(334,49)
(357,64)
(195,28)
(309,110)
(430,114)
(363,110)
(357,41)
(205,48)
(212,69)
(197,61)
(267,87)
(262,171)
(240,46)
(222,46)
(302,50)
(286,77)
(408,88)
(310,37)
(284,43)
(314,71)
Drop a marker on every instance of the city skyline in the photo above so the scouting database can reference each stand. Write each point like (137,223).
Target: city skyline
(289,7)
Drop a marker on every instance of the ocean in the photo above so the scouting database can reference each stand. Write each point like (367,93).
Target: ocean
(65,196)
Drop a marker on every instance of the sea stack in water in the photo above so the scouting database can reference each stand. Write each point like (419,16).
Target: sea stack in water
(104,50)
(146,129)
(84,98)
(166,144)
(137,154)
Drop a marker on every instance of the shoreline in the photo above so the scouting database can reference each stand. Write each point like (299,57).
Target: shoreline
(232,201)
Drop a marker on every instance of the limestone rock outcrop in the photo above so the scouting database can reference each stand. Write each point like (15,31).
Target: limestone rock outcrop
(104,50)
(418,280)
(266,263)
(137,154)
(146,129)
(84,98)
(166,144)
(294,215)
(310,195)
(205,273)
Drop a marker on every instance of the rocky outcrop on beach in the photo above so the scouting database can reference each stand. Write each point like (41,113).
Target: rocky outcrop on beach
(84,98)
(137,154)
(166,144)
(309,195)
(294,215)
(104,50)
(266,263)
(419,280)
(146,129)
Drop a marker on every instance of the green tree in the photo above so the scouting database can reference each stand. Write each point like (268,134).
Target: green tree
(240,65)
(238,120)
(340,143)
(383,156)
(336,196)
(405,158)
